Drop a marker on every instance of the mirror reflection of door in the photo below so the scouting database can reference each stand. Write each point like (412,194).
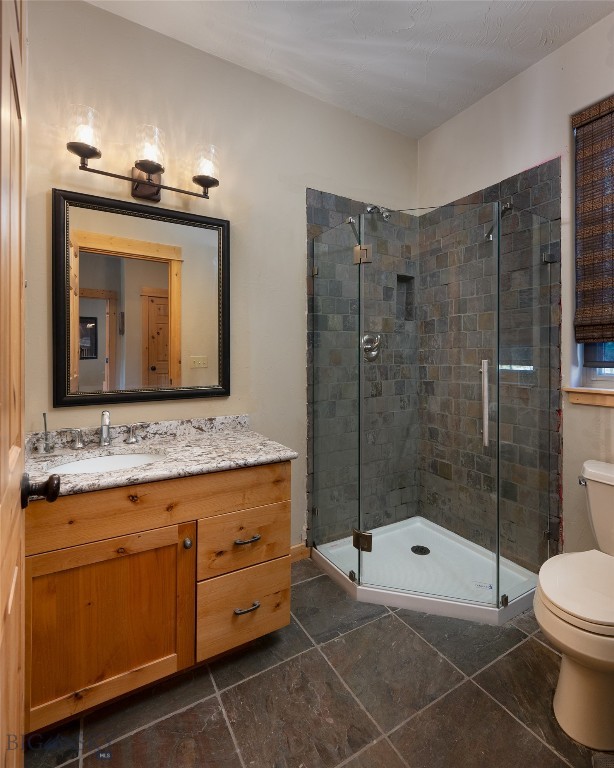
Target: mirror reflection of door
(98,371)
(112,278)
(155,334)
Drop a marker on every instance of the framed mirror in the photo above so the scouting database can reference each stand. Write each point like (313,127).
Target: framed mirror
(140,302)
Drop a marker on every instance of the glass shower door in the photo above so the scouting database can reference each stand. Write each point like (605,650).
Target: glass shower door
(428,402)
(334,417)
(530,396)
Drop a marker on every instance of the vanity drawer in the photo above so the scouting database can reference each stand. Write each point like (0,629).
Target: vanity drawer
(86,517)
(219,628)
(240,539)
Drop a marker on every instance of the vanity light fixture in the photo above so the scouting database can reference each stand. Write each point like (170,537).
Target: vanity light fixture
(84,141)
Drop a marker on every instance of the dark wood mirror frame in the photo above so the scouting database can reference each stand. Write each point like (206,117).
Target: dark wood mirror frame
(62,201)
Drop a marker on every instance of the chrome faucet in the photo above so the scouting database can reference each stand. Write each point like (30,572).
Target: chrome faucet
(105,428)
(47,446)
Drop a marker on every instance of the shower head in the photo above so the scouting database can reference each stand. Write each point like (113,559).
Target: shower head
(384,212)
(505,209)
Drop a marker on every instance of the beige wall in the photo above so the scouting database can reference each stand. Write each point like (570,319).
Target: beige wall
(275,142)
(522,124)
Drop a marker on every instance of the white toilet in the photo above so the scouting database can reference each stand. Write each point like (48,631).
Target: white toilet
(574,606)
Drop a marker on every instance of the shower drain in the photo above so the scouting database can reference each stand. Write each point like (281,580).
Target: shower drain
(418,549)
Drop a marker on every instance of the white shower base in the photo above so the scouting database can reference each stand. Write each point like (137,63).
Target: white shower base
(457,578)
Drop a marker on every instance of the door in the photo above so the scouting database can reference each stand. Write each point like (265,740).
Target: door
(12,73)
(156,337)
(334,420)
(107,617)
(529,374)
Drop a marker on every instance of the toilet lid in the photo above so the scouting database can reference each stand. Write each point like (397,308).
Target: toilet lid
(581,584)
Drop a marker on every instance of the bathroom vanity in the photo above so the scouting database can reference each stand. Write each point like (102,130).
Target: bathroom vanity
(140,573)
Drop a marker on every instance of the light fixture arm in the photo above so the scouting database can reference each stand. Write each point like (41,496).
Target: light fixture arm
(83,166)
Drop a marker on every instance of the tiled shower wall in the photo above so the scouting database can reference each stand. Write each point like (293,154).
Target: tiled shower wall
(431,292)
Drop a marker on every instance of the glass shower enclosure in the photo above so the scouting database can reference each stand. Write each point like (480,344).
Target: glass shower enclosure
(433,429)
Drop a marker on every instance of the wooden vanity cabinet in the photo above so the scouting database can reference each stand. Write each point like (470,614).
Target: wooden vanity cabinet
(128,585)
(106,617)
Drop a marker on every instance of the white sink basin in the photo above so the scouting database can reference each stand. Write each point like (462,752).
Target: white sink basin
(105,463)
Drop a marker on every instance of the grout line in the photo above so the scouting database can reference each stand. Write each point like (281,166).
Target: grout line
(227,721)
(524,725)
(349,631)
(427,706)
(146,725)
(353,695)
(262,671)
(439,653)
(310,578)
(494,661)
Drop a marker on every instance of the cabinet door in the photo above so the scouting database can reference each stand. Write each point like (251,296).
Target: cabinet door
(107,617)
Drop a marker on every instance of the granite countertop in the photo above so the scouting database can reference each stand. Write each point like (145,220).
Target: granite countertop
(187,447)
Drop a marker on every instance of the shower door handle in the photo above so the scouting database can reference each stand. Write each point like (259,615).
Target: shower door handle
(370,346)
(484,372)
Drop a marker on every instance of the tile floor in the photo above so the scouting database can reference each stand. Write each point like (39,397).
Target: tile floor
(346,684)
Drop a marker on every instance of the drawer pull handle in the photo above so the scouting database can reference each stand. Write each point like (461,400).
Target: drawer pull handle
(187,543)
(241,611)
(248,541)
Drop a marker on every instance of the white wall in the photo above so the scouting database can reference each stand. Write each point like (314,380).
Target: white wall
(275,142)
(520,125)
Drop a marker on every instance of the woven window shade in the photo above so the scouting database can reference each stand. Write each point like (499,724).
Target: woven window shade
(594,144)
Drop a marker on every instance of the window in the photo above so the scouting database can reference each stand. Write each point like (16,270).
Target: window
(594,232)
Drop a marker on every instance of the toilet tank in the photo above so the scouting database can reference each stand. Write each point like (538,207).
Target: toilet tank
(599,478)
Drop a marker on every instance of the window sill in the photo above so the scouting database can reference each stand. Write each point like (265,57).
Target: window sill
(590,396)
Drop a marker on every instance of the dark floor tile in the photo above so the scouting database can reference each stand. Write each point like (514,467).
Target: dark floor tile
(326,611)
(395,684)
(297,714)
(539,635)
(524,681)
(380,755)
(140,709)
(526,622)
(467,644)
(194,738)
(52,747)
(467,729)
(260,655)
(303,570)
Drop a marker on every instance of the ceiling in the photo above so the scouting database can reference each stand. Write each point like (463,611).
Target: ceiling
(409,66)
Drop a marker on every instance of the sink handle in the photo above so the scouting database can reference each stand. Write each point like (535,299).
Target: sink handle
(49,489)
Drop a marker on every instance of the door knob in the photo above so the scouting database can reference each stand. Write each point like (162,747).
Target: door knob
(49,489)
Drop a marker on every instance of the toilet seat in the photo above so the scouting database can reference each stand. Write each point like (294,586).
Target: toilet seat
(579,588)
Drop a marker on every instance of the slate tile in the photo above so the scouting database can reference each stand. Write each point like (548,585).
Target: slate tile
(326,611)
(380,755)
(467,729)
(395,684)
(136,711)
(52,747)
(194,738)
(260,655)
(524,681)
(467,644)
(304,569)
(297,714)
